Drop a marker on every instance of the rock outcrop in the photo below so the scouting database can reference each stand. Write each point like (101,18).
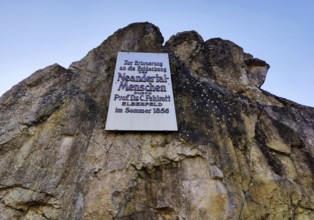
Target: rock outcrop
(240,152)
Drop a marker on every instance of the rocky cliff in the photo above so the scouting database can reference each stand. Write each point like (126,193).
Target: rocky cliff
(240,152)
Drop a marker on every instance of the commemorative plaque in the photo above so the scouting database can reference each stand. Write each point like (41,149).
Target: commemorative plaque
(141,96)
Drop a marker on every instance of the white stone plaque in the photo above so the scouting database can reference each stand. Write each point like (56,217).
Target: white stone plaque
(141,96)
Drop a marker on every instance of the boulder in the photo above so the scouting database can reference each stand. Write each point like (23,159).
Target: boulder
(239,153)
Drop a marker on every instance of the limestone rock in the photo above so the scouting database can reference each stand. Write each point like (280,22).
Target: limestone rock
(256,70)
(240,152)
(219,60)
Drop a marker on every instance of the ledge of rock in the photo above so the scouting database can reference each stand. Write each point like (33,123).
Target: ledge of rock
(240,152)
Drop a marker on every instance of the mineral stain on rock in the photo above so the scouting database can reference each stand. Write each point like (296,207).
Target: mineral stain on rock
(240,152)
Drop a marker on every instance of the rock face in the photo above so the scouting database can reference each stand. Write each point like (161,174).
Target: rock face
(240,152)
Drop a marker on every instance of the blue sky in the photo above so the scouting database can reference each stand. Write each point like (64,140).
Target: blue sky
(37,33)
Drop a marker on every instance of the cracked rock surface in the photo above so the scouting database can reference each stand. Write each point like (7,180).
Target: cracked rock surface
(240,152)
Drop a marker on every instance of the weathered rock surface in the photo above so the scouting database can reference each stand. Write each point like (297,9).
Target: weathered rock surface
(240,152)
